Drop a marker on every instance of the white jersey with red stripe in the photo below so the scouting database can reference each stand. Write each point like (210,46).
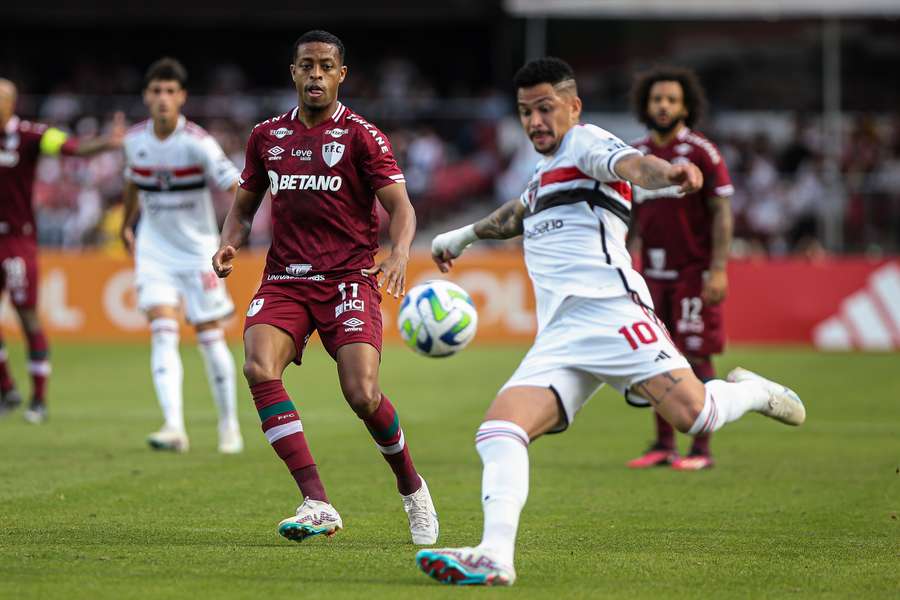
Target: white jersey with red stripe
(576,216)
(178,227)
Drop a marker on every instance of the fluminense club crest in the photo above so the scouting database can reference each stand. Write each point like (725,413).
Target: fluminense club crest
(332,153)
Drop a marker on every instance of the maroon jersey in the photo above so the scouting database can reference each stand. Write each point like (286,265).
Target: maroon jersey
(20,148)
(323,181)
(676,228)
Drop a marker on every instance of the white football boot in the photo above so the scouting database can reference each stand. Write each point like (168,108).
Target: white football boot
(230,441)
(313,517)
(784,404)
(36,414)
(423,519)
(169,439)
(464,566)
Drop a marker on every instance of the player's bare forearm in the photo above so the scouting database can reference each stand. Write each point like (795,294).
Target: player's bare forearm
(89,147)
(129,204)
(402,229)
(502,224)
(236,229)
(722,229)
(653,173)
(110,141)
(650,172)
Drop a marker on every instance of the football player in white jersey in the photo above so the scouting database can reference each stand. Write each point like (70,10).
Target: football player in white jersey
(595,317)
(170,226)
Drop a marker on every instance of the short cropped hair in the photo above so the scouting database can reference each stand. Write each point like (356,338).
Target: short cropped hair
(694,95)
(543,70)
(166,69)
(318,35)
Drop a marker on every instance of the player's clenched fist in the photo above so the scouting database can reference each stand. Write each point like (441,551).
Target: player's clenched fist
(221,261)
(687,175)
(447,246)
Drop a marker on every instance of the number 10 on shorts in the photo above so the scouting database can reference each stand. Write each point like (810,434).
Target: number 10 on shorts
(639,332)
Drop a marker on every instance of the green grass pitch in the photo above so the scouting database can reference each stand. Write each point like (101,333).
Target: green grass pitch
(88,511)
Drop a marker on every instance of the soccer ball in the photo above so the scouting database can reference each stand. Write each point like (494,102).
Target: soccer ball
(437,318)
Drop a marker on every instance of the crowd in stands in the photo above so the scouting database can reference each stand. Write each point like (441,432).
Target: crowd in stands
(465,150)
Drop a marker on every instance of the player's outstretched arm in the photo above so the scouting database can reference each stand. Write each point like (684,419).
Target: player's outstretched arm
(130,204)
(502,224)
(396,202)
(653,173)
(236,230)
(111,141)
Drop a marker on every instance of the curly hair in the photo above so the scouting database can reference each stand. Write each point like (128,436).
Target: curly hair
(694,95)
(318,35)
(543,70)
(166,69)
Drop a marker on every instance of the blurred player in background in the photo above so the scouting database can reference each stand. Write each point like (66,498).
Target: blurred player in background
(169,163)
(21,144)
(595,316)
(325,166)
(684,240)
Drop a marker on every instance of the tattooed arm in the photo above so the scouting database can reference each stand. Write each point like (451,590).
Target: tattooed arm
(502,224)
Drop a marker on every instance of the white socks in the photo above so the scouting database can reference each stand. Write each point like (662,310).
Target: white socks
(726,402)
(220,372)
(165,365)
(503,447)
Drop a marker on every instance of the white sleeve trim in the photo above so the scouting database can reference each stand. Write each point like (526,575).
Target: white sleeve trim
(617,156)
(724,190)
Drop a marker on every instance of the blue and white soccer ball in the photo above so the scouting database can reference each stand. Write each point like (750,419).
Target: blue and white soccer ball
(437,318)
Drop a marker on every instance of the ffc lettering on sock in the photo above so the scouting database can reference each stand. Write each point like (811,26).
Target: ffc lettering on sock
(277,414)
(282,427)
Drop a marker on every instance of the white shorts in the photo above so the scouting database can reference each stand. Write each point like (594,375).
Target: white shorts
(202,292)
(592,341)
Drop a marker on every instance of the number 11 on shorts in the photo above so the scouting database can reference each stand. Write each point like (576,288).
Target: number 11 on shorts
(642,331)
(354,288)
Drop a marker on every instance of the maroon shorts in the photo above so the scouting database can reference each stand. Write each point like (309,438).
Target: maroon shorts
(343,310)
(696,329)
(19,270)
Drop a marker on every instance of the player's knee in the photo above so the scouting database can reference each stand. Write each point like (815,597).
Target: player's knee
(256,371)
(363,397)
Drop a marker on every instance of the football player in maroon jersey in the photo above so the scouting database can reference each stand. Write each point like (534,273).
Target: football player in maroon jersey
(683,238)
(21,144)
(324,166)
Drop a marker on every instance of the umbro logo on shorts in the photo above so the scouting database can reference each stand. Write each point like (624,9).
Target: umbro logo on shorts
(353,324)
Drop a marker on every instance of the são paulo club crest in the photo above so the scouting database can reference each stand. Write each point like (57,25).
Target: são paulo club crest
(332,153)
